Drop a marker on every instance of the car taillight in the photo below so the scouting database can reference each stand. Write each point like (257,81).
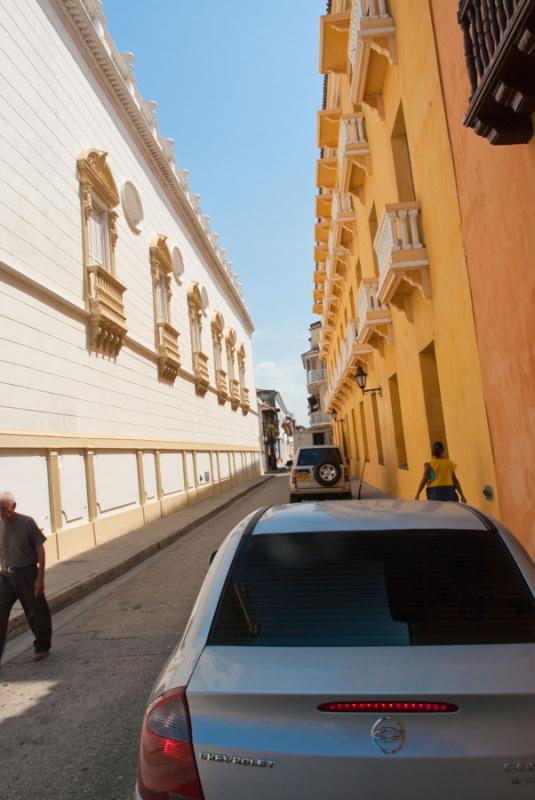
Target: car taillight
(346,473)
(388,706)
(167,767)
(293,476)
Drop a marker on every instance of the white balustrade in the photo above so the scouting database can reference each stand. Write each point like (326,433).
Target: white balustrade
(320,418)
(352,132)
(367,9)
(316,375)
(399,231)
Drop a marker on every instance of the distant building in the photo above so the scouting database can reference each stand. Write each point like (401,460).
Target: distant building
(317,388)
(278,429)
(127,365)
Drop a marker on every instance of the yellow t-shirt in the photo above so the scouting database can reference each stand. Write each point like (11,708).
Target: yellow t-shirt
(443,470)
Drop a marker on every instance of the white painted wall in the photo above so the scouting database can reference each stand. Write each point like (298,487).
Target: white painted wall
(52,107)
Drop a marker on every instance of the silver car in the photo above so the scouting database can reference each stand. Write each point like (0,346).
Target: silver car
(343,651)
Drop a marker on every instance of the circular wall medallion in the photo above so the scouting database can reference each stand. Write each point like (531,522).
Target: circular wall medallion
(133,210)
(178,264)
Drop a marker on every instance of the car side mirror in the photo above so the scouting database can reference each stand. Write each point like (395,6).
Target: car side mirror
(213,555)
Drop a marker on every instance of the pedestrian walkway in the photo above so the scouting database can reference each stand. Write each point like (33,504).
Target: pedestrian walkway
(69,580)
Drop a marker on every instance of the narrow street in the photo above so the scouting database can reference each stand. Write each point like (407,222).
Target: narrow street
(69,725)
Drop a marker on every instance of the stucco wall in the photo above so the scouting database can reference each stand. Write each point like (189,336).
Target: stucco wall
(53,108)
(446,318)
(496,188)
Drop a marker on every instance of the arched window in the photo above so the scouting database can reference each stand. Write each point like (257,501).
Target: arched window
(244,391)
(200,359)
(233,383)
(103,291)
(218,328)
(165,335)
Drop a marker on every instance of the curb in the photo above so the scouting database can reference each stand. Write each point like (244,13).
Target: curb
(75,592)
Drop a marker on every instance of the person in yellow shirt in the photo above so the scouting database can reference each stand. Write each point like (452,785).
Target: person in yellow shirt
(439,477)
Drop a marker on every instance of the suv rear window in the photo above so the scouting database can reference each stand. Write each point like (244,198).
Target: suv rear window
(374,589)
(316,455)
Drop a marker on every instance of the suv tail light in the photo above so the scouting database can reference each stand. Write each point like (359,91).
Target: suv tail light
(293,476)
(346,474)
(167,767)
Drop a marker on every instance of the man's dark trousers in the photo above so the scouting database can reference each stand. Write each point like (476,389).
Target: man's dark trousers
(19,585)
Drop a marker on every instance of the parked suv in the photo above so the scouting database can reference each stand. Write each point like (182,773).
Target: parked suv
(319,472)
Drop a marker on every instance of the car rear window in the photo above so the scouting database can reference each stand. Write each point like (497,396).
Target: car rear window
(316,455)
(374,589)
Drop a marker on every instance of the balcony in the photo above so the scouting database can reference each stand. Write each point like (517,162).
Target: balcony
(321,253)
(334,37)
(321,232)
(374,318)
(326,173)
(351,352)
(353,154)
(499,49)
(323,206)
(244,399)
(200,371)
(316,376)
(107,321)
(320,276)
(317,308)
(328,128)
(168,357)
(235,396)
(372,47)
(319,418)
(401,254)
(221,385)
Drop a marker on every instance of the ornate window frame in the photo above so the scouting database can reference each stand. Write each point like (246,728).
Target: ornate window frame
(244,391)
(199,358)
(103,292)
(218,335)
(233,384)
(166,337)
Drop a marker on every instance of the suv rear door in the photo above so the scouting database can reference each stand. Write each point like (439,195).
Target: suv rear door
(420,616)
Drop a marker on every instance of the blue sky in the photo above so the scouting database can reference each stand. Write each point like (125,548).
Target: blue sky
(238,88)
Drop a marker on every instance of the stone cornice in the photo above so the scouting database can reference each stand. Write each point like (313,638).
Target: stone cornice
(86,24)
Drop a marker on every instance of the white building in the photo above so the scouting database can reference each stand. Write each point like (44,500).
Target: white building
(124,339)
(320,431)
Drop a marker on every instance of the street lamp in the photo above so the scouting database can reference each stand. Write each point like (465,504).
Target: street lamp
(361,377)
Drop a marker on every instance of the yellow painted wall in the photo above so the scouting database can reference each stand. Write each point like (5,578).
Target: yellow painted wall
(447,317)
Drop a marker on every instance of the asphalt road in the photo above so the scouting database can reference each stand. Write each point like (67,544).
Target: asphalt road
(69,725)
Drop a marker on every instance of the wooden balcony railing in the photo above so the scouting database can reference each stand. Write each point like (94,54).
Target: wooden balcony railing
(499,47)
(234,393)
(221,385)
(168,356)
(200,371)
(107,321)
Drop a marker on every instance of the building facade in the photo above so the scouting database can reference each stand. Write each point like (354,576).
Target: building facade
(316,378)
(277,430)
(390,282)
(496,188)
(126,345)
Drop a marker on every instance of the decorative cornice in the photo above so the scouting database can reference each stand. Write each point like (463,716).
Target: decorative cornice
(87,25)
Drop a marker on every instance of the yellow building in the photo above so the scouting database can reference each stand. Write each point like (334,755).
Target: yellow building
(391,282)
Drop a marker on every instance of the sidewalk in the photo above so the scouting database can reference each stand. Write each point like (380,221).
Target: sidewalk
(73,578)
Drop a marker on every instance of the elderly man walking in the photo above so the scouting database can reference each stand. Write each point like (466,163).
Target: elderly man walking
(22,574)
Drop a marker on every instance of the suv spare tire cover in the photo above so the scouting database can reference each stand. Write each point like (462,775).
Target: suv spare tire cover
(326,473)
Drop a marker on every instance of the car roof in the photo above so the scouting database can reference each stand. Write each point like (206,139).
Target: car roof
(368,515)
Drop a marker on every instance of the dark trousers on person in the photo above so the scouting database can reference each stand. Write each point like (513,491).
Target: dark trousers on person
(19,585)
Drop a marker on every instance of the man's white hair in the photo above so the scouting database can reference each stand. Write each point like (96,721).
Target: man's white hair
(7,497)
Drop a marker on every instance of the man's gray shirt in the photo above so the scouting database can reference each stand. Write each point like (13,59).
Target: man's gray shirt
(19,540)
